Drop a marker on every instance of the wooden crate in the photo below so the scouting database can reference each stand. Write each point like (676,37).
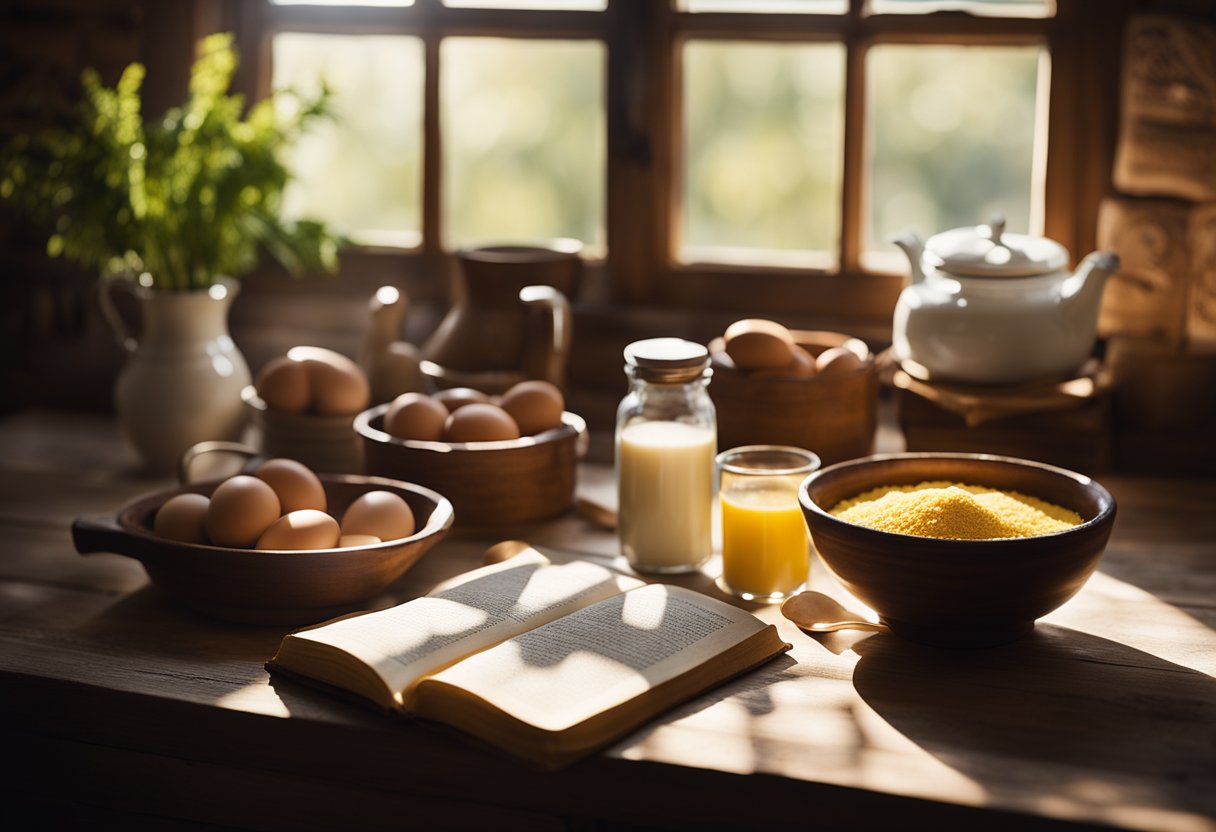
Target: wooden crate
(1165,406)
(1077,438)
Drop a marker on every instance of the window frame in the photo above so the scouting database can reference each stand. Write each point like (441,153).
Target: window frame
(642,98)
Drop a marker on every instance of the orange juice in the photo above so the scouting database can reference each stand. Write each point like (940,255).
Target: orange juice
(765,552)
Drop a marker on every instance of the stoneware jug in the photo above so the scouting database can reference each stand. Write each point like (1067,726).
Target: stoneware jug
(509,319)
(987,307)
(182,381)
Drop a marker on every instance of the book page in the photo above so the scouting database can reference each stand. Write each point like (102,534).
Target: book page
(464,615)
(601,656)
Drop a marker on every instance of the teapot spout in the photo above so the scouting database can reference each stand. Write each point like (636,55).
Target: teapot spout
(913,247)
(1083,291)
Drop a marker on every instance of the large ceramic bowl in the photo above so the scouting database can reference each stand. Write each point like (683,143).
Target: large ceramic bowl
(503,483)
(269,587)
(958,592)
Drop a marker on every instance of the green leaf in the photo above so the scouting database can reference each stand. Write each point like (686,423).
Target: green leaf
(188,198)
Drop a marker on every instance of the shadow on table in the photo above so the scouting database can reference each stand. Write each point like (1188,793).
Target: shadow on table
(1056,701)
(152,621)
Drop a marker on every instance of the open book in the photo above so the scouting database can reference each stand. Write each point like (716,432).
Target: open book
(546,661)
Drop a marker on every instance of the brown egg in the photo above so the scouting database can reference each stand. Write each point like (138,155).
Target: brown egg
(381,514)
(303,529)
(457,397)
(349,541)
(183,518)
(339,385)
(480,423)
(837,362)
(535,406)
(415,416)
(242,507)
(757,344)
(283,384)
(294,484)
(802,365)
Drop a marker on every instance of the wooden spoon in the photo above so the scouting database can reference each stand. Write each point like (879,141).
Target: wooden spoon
(819,613)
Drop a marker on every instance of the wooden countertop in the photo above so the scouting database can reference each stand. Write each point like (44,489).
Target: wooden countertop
(122,708)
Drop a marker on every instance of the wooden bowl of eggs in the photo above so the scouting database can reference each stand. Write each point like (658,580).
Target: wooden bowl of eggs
(278,546)
(502,461)
(810,389)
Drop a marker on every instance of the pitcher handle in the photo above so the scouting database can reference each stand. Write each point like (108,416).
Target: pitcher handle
(546,353)
(105,295)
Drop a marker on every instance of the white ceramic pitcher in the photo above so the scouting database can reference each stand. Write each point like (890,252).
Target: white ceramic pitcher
(182,381)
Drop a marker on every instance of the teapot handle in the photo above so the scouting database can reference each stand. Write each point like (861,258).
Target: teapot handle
(547,349)
(123,333)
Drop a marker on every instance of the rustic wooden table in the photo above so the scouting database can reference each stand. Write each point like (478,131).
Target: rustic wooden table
(120,707)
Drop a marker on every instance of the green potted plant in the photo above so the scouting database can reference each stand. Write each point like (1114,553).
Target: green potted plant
(175,207)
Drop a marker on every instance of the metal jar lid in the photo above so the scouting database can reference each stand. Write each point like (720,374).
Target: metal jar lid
(667,360)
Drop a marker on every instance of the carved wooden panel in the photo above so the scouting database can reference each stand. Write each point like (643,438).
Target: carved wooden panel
(1167,138)
(1201,309)
(1149,293)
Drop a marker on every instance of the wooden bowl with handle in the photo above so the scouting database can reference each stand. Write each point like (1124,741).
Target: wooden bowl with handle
(269,587)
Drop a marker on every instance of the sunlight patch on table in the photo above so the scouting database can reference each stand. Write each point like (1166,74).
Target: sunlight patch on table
(1122,804)
(1144,622)
(256,697)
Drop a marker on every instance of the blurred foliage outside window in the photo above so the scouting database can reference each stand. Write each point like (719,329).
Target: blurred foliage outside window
(951,137)
(573,5)
(362,171)
(767,6)
(1010,8)
(523,140)
(763,139)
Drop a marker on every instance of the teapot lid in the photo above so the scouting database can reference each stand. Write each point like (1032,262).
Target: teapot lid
(987,251)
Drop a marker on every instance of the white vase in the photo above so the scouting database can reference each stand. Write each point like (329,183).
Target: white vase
(182,383)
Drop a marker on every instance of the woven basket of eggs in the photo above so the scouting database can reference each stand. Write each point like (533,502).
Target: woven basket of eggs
(811,389)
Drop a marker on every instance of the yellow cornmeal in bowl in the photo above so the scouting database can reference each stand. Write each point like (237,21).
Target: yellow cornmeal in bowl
(955,511)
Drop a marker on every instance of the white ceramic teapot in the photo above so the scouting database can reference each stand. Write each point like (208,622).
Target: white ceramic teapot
(986,307)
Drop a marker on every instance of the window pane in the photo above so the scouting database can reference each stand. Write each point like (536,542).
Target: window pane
(524,140)
(983,8)
(767,6)
(362,171)
(762,149)
(953,138)
(575,5)
(342,2)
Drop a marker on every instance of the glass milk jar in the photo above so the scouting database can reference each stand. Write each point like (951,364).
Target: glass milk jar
(666,439)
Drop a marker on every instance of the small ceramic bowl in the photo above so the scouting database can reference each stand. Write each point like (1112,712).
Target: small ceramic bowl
(269,587)
(504,483)
(958,592)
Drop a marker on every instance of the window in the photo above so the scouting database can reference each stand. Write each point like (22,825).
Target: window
(710,153)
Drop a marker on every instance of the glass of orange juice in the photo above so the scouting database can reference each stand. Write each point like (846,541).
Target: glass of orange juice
(765,547)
